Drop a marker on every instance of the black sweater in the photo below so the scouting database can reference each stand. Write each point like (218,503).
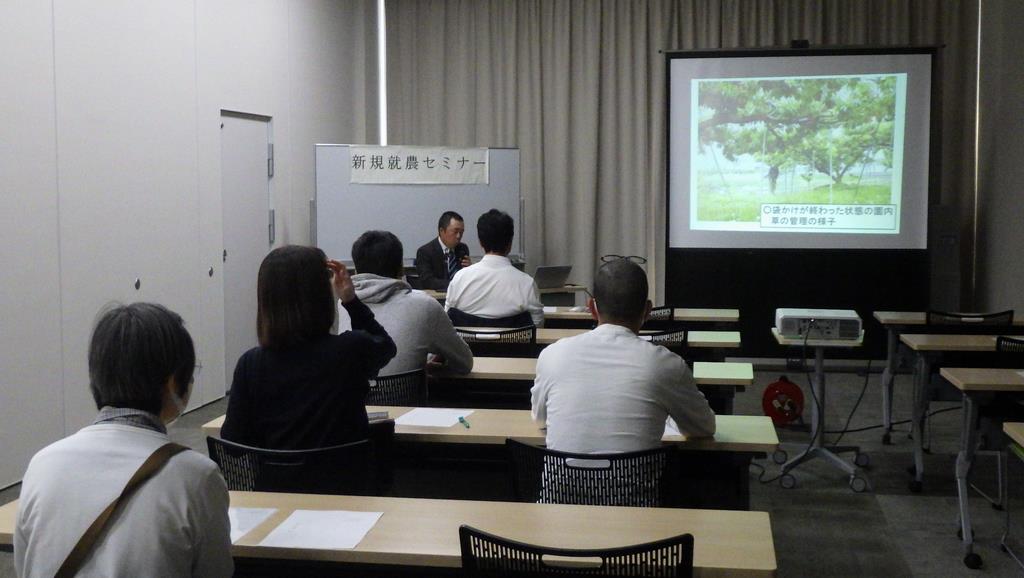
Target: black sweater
(309,396)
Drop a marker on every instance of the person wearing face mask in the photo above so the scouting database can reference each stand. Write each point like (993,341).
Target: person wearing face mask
(175,523)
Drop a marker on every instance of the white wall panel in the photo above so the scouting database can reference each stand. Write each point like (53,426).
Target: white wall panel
(126,118)
(31,403)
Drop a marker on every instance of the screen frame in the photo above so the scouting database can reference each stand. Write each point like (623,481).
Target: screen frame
(935,108)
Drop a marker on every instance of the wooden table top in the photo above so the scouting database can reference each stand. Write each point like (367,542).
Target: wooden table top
(525,369)
(424,533)
(798,341)
(685,314)
(1015,430)
(712,339)
(911,318)
(950,342)
(734,433)
(984,379)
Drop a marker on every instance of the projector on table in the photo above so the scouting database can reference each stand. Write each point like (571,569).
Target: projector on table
(822,323)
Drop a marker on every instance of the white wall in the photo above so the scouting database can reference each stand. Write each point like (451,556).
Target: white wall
(110,156)
(1001,159)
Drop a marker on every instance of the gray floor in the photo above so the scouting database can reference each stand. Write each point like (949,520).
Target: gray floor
(821,527)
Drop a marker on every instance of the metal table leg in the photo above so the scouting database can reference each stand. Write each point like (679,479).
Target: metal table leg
(922,371)
(816,448)
(964,461)
(888,378)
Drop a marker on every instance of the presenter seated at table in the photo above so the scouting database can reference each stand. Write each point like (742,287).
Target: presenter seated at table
(141,364)
(415,321)
(439,259)
(493,288)
(609,391)
(303,387)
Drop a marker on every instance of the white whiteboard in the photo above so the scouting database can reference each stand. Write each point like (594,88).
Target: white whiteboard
(343,210)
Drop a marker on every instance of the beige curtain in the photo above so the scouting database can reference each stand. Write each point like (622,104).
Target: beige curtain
(578,86)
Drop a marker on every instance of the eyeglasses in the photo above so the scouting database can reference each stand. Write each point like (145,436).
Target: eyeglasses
(634,258)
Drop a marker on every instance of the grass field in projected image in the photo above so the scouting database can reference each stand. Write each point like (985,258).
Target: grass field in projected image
(741,201)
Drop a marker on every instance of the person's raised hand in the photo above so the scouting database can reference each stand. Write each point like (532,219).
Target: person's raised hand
(341,281)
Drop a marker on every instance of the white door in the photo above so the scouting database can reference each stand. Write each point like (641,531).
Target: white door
(246,173)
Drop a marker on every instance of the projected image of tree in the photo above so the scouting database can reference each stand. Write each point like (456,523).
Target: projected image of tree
(825,140)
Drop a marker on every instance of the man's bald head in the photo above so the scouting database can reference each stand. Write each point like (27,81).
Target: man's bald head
(620,290)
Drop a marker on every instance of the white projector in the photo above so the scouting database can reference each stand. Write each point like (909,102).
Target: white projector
(818,323)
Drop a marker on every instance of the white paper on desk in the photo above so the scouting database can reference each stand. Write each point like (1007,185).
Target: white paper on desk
(243,520)
(322,530)
(1020,373)
(432,417)
(550,309)
(671,429)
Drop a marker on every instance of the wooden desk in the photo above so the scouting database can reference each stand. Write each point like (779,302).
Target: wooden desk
(896,323)
(715,472)
(683,316)
(735,433)
(700,339)
(817,448)
(975,384)
(525,369)
(418,533)
(927,350)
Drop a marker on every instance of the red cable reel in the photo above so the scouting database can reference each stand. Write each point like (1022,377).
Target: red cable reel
(783,401)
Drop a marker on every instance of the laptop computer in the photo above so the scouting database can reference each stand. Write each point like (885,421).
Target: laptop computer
(551,277)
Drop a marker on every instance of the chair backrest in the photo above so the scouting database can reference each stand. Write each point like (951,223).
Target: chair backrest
(643,478)
(1009,345)
(485,554)
(342,469)
(669,337)
(969,319)
(526,334)
(661,314)
(462,319)
(409,389)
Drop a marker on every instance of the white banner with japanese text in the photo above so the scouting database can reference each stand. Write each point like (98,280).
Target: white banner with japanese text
(417,165)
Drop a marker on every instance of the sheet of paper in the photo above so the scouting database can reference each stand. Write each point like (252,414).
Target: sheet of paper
(670,428)
(550,309)
(322,530)
(433,417)
(245,519)
(1020,373)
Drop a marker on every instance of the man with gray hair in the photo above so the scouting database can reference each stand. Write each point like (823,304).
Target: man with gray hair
(608,390)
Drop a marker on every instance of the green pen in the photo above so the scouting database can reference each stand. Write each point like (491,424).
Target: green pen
(463,421)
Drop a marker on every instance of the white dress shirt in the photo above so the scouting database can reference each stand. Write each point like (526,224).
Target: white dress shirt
(493,288)
(608,391)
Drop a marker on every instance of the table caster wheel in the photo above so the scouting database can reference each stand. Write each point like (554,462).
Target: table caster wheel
(858,484)
(972,561)
(780,456)
(787,481)
(916,486)
(862,460)
(887,439)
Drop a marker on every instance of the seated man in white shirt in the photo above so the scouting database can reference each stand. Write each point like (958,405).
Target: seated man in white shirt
(414,320)
(493,288)
(608,390)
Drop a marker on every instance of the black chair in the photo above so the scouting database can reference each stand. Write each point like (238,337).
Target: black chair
(409,388)
(668,338)
(525,334)
(462,319)
(485,554)
(643,478)
(343,469)
(1009,345)
(969,319)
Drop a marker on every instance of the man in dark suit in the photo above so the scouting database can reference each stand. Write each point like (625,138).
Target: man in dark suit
(440,258)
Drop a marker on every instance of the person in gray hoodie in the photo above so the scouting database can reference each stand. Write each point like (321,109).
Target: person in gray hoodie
(415,321)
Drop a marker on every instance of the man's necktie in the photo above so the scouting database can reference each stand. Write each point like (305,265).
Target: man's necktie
(453,265)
